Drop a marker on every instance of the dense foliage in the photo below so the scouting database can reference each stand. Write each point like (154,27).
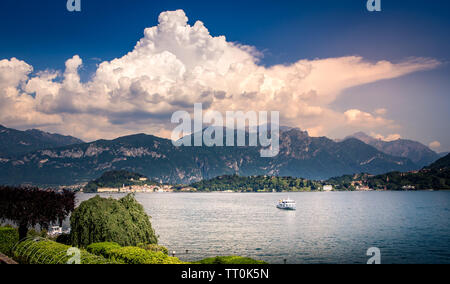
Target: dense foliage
(348,182)
(154,248)
(230,260)
(131,255)
(256,184)
(64,239)
(435,176)
(9,237)
(41,251)
(28,207)
(441,163)
(422,180)
(104,249)
(122,221)
(135,255)
(116,179)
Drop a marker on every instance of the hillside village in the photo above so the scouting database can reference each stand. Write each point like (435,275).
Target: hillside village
(128,182)
(136,188)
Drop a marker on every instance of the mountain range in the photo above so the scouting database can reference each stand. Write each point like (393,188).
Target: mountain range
(300,155)
(418,153)
(15,142)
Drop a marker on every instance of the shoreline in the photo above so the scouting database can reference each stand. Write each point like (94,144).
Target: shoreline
(287,192)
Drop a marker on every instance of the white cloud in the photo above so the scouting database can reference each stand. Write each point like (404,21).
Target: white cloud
(13,72)
(435,145)
(365,119)
(176,65)
(381,111)
(16,107)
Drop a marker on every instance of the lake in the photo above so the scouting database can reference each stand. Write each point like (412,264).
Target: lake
(333,227)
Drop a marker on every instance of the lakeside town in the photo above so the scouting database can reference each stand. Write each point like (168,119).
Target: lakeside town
(128,182)
(145,188)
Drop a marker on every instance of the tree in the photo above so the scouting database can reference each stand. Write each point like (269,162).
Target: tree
(28,207)
(122,221)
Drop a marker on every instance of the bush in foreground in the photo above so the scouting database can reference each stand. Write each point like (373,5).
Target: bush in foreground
(135,255)
(49,252)
(131,255)
(154,248)
(64,239)
(9,237)
(123,221)
(103,249)
(229,260)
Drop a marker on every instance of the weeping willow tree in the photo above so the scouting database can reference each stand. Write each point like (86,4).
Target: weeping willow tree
(123,221)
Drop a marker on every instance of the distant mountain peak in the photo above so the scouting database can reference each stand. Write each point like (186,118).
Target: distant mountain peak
(420,154)
(285,128)
(298,132)
(13,142)
(361,134)
(363,137)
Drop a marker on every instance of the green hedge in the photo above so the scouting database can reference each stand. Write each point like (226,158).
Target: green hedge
(135,255)
(154,248)
(103,249)
(9,237)
(42,251)
(229,260)
(131,255)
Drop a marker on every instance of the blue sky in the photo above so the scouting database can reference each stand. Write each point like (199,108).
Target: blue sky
(44,35)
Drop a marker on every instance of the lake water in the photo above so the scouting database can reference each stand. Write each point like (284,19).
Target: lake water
(335,227)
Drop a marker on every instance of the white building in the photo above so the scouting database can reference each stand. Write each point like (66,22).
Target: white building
(55,231)
(327,188)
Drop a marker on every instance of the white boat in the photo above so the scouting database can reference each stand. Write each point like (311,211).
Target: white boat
(287,204)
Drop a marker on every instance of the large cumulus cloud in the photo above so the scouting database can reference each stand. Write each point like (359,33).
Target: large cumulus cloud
(176,65)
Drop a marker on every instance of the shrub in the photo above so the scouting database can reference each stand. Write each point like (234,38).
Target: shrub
(122,221)
(154,248)
(135,255)
(64,239)
(42,251)
(9,237)
(132,255)
(33,233)
(229,260)
(103,249)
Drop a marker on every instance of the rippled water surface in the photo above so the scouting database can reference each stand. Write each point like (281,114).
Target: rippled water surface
(408,227)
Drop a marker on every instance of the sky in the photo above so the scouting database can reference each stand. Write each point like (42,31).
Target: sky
(330,67)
